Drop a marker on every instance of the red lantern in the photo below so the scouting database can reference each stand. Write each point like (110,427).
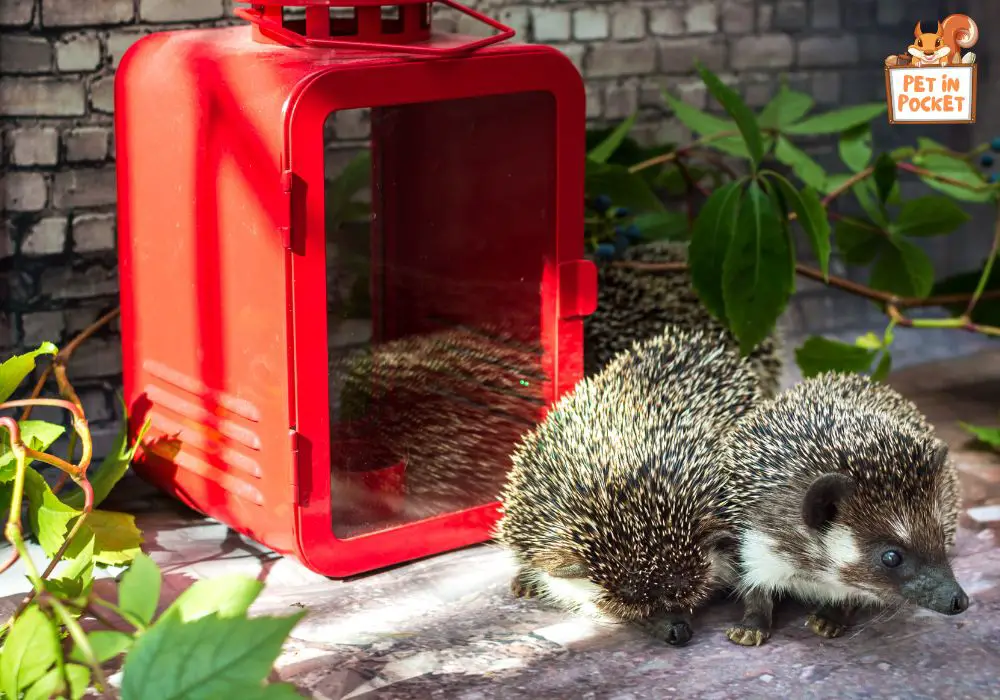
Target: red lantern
(471,280)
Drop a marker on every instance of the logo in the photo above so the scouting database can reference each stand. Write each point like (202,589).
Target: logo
(935,82)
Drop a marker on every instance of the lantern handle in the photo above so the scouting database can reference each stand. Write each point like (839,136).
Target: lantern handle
(290,38)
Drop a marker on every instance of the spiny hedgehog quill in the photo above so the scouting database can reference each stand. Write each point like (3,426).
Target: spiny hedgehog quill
(615,505)
(636,304)
(844,499)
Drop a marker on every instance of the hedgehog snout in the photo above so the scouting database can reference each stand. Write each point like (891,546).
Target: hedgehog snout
(936,589)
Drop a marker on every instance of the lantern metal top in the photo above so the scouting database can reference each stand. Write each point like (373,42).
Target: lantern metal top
(401,26)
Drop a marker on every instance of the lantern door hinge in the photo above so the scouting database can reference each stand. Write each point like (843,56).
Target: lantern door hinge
(287,222)
(300,476)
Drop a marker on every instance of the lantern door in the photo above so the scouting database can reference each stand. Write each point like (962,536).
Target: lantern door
(438,236)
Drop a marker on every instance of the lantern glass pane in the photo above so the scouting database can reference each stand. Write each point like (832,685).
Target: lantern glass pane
(440,230)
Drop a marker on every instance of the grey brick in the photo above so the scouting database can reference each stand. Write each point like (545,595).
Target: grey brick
(595,102)
(74,13)
(352,124)
(679,55)
(47,237)
(97,358)
(621,101)
(550,24)
(119,42)
(16,13)
(692,91)
(860,14)
(737,16)
(574,52)
(78,53)
(93,233)
(518,19)
(87,143)
(757,92)
(768,51)
(615,60)
(702,18)
(893,12)
(179,10)
(33,146)
(826,89)
(25,191)
(790,15)
(628,23)
(65,283)
(42,326)
(666,21)
(85,187)
(42,97)
(826,14)
(828,51)
(96,405)
(102,95)
(765,17)
(591,23)
(25,54)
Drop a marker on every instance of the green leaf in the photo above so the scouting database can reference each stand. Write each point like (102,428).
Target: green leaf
(864,191)
(855,147)
(710,240)
(838,120)
(139,590)
(929,216)
(273,691)
(203,659)
(885,176)
(15,369)
(902,153)
(883,369)
(868,341)
(112,468)
(226,596)
(786,107)
(608,146)
(903,269)
(77,576)
(36,434)
(758,270)
(662,226)
(737,109)
(990,436)
(107,644)
(52,685)
(811,215)
(858,241)
(706,124)
(31,649)
(804,167)
(49,516)
(624,188)
(818,355)
(987,312)
(116,538)
(955,169)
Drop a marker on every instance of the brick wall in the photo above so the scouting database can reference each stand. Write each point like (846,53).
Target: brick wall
(57,61)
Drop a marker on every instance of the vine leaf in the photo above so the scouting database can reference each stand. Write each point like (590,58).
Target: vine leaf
(203,658)
(812,217)
(606,148)
(116,538)
(36,434)
(706,124)
(902,269)
(662,226)
(49,516)
(939,162)
(855,147)
(987,311)
(885,175)
(76,574)
(785,108)
(989,436)
(858,241)
(807,169)
(31,649)
(883,368)
(52,685)
(928,216)
(758,271)
(139,590)
(837,121)
(710,240)
(625,189)
(737,109)
(107,644)
(15,369)
(225,596)
(818,355)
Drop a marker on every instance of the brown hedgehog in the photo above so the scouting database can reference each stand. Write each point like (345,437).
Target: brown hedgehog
(844,498)
(636,304)
(615,506)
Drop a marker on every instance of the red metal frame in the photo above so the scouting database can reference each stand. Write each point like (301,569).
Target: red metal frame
(223,271)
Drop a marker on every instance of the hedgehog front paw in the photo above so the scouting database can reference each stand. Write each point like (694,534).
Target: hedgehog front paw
(673,631)
(747,635)
(824,626)
(523,586)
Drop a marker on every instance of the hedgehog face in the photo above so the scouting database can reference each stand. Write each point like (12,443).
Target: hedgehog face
(890,554)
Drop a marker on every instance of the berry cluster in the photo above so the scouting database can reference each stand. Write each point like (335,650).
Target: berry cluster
(987,159)
(613,222)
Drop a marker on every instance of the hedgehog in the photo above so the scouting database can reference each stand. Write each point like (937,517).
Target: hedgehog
(615,504)
(636,304)
(844,498)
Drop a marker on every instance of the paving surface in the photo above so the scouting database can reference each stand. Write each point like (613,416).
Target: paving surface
(446,627)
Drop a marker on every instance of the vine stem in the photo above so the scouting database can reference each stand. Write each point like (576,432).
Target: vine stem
(13,530)
(957,323)
(987,269)
(79,638)
(677,152)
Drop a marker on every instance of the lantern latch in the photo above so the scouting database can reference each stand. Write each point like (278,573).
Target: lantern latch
(289,199)
(577,289)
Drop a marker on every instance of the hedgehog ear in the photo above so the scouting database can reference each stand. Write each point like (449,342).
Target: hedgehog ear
(562,563)
(823,499)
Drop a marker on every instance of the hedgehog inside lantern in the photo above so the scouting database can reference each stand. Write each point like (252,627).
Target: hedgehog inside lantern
(358,430)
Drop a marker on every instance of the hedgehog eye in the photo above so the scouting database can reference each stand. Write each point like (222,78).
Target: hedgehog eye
(891,559)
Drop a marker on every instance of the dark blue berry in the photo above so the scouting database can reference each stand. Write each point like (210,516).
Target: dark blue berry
(622,212)
(995,144)
(602,203)
(605,251)
(993,178)
(633,233)
(986,160)
(621,243)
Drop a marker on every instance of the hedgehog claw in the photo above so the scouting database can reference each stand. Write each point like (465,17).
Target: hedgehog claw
(747,636)
(522,586)
(825,627)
